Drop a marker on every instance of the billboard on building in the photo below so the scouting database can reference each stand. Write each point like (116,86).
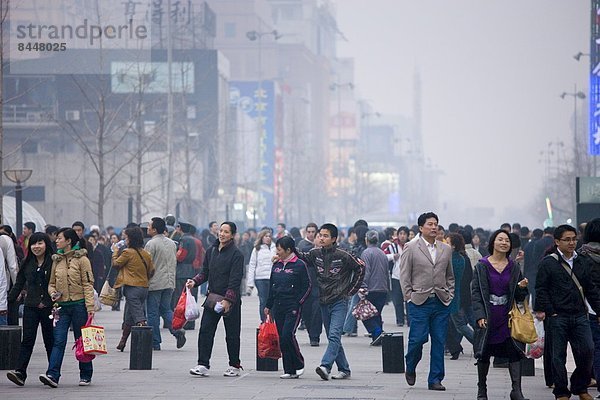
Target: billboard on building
(594,139)
(257,100)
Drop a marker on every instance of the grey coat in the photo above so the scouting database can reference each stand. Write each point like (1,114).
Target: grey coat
(163,251)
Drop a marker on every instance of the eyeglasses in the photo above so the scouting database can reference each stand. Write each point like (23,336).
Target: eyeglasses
(569,240)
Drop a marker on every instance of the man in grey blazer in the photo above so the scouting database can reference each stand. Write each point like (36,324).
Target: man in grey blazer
(427,282)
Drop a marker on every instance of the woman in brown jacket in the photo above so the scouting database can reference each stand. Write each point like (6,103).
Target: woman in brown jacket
(71,287)
(135,270)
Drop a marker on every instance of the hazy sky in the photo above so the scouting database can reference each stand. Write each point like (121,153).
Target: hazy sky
(492,72)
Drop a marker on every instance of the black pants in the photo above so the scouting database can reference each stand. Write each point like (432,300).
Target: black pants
(311,314)
(548,372)
(287,321)
(206,335)
(32,317)
(13,312)
(573,330)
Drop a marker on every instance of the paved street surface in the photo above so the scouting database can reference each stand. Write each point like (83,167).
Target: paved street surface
(170,378)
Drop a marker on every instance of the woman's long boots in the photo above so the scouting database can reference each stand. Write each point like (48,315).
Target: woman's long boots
(514,368)
(124,337)
(482,373)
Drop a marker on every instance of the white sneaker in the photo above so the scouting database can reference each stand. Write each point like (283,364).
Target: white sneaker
(341,375)
(199,370)
(289,376)
(299,372)
(232,371)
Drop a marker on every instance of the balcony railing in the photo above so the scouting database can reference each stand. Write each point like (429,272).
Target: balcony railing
(26,114)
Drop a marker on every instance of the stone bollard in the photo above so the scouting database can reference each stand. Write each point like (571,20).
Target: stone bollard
(392,352)
(140,355)
(265,364)
(10,346)
(527,367)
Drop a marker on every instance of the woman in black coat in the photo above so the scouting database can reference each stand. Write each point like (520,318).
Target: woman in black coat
(497,283)
(32,284)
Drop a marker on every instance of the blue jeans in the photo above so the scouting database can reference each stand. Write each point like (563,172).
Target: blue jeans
(158,304)
(262,286)
(462,325)
(333,318)
(428,319)
(73,314)
(350,325)
(576,331)
(3,320)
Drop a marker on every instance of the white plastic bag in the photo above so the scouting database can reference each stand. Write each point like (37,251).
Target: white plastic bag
(97,304)
(536,350)
(192,312)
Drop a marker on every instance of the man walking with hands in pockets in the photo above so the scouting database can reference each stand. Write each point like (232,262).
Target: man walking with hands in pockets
(427,280)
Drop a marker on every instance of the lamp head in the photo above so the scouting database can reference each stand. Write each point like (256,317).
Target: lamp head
(580,95)
(252,35)
(562,96)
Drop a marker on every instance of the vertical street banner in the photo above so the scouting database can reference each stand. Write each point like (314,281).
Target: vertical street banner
(594,139)
(257,100)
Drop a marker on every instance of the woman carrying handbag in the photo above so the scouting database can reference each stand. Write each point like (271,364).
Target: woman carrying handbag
(71,287)
(497,284)
(135,270)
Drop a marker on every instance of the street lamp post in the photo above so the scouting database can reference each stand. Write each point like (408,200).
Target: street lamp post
(131,191)
(576,95)
(18,176)
(257,36)
(337,87)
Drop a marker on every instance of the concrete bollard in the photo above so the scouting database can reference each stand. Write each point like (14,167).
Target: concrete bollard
(140,355)
(392,352)
(10,346)
(265,364)
(527,367)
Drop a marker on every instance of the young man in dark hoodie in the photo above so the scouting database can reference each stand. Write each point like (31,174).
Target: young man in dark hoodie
(339,276)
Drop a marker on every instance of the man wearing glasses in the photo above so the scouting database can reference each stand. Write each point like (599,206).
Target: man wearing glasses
(563,285)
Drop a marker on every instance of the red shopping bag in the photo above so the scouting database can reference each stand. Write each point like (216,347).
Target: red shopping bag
(179,313)
(268,340)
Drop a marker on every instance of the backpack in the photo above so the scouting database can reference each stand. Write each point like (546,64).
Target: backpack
(200,252)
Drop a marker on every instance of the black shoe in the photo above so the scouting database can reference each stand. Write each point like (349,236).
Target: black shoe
(180,338)
(18,378)
(454,356)
(302,326)
(48,381)
(377,341)
(411,378)
(314,343)
(436,386)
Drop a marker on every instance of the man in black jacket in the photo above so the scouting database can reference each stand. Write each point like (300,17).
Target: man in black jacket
(339,276)
(562,282)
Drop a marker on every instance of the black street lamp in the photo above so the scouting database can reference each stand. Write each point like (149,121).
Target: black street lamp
(18,176)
